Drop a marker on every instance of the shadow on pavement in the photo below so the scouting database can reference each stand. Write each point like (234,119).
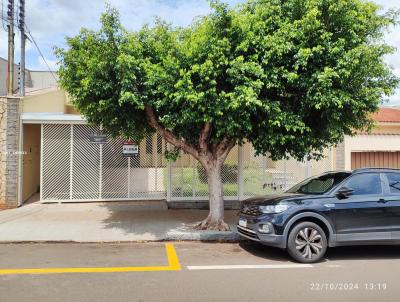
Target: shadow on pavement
(263,251)
(153,221)
(365,252)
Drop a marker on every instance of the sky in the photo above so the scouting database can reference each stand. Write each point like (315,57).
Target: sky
(50,21)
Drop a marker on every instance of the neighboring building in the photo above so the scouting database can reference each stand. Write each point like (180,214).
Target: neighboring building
(3,77)
(380,148)
(34,80)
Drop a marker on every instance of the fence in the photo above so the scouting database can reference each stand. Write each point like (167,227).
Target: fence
(73,168)
(243,175)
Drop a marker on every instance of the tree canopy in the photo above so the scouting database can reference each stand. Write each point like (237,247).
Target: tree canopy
(292,77)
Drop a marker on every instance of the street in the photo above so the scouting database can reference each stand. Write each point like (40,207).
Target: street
(193,271)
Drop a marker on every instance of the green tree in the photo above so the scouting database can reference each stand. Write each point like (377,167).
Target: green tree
(291,77)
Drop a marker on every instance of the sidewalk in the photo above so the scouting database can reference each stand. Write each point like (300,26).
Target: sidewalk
(107,222)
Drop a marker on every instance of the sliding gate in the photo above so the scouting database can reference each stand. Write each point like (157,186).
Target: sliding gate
(73,168)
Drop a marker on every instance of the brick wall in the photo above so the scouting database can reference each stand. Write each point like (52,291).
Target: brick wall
(9,134)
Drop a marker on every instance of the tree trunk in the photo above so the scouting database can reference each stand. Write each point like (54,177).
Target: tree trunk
(211,155)
(215,219)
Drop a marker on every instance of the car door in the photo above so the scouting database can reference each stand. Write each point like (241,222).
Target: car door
(363,215)
(392,200)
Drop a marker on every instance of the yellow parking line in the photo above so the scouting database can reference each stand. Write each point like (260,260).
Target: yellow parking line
(173,260)
(173,265)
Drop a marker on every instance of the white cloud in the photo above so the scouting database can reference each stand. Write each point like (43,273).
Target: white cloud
(52,64)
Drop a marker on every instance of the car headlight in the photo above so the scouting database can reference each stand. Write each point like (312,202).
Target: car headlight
(273,208)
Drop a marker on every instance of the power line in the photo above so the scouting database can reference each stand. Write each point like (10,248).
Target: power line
(21,26)
(30,38)
(10,59)
(40,52)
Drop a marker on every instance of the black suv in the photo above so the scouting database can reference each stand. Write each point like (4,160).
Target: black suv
(332,209)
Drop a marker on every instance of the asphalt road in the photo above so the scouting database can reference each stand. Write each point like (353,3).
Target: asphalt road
(208,272)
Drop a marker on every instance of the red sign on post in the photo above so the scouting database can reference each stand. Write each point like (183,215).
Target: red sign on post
(129,149)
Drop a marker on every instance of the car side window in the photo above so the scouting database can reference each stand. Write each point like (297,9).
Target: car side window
(365,184)
(394,182)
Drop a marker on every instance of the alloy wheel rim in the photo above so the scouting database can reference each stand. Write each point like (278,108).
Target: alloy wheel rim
(308,242)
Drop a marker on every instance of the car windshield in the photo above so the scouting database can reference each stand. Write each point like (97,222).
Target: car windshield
(319,184)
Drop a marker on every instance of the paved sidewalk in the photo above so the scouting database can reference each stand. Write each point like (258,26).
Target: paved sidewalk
(107,222)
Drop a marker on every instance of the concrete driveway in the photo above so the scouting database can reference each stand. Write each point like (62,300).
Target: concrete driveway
(106,222)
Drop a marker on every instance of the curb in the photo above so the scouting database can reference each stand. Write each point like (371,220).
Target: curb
(204,236)
(201,205)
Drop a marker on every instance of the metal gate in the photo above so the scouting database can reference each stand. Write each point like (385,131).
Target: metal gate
(73,168)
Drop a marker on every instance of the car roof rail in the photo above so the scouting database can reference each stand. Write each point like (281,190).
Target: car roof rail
(375,169)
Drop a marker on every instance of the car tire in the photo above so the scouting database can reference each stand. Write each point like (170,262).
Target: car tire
(307,242)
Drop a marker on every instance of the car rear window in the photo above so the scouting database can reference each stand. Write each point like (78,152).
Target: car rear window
(394,182)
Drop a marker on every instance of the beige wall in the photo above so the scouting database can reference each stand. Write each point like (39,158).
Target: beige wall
(51,101)
(31,160)
(386,128)
(154,159)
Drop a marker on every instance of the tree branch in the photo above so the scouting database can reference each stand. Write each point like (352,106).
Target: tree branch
(204,137)
(168,135)
(223,148)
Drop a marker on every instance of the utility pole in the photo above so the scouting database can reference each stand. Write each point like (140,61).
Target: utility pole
(10,26)
(21,26)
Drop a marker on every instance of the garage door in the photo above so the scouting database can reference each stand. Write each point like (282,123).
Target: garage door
(73,168)
(375,159)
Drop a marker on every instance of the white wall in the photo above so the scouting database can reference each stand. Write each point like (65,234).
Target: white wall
(42,79)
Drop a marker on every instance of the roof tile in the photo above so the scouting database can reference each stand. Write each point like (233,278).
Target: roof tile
(388,115)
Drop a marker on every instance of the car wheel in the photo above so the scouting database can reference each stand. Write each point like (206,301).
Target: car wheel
(307,242)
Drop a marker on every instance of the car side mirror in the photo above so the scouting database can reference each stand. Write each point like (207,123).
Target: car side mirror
(344,192)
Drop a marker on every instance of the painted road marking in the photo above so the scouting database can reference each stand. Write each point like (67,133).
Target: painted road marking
(173,265)
(270,266)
